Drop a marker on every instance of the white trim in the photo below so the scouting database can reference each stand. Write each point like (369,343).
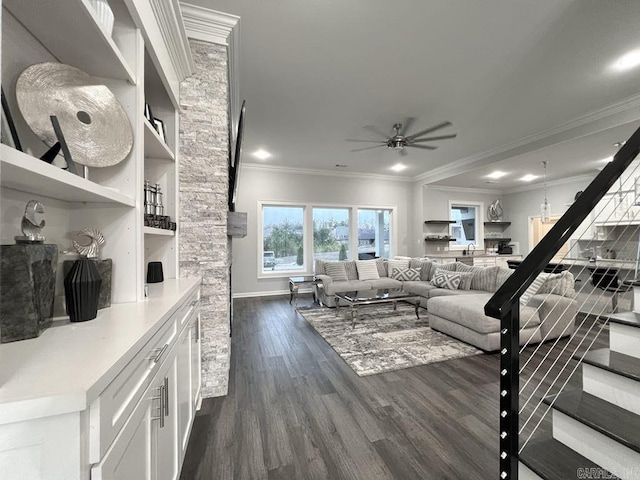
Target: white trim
(553,183)
(444,188)
(208,25)
(612,115)
(261,294)
(308,171)
(169,18)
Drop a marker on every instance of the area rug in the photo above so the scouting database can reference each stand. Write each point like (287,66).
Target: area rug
(384,340)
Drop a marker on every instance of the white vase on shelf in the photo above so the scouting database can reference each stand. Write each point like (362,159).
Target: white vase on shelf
(105,14)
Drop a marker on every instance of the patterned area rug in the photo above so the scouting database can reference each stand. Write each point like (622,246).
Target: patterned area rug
(384,340)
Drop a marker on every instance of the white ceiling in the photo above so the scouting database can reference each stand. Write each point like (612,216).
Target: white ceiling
(314,73)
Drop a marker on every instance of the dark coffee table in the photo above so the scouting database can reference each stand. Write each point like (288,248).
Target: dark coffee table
(354,300)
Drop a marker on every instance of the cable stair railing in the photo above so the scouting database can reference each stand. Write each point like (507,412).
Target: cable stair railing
(554,422)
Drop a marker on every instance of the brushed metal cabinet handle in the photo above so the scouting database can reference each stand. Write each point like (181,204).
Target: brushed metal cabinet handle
(166,396)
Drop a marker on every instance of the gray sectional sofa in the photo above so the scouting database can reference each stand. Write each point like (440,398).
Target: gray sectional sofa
(547,309)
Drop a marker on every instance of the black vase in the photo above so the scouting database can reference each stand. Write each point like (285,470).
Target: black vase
(82,290)
(154,272)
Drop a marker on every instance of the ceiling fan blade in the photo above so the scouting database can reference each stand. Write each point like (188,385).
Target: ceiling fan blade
(407,124)
(426,147)
(369,148)
(375,130)
(441,137)
(429,130)
(366,141)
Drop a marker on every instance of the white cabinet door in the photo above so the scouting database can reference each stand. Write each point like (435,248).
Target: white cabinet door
(196,378)
(185,403)
(164,431)
(129,455)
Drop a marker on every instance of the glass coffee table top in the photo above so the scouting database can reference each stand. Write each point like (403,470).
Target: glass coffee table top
(374,297)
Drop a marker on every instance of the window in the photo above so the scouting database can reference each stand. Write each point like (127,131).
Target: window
(282,238)
(468,227)
(373,233)
(293,236)
(330,233)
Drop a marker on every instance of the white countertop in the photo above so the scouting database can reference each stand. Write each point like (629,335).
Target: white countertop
(69,365)
(604,262)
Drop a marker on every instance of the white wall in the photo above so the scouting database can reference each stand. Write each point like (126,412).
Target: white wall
(518,207)
(285,186)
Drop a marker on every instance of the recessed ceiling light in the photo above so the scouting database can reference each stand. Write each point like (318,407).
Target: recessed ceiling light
(398,167)
(606,160)
(261,154)
(497,174)
(619,144)
(528,177)
(628,61)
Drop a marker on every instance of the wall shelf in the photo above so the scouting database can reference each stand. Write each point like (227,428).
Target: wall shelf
(496,239)
(497,224)
(154,147)
(439,222)
(160,232)
(440,239)
(23,172)
(97,53)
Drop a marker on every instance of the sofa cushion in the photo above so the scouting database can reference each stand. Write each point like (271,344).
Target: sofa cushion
(465,280)
(533,288)
(485,279)
(346,286)
(367,269)
(318,267)
(419,288)
(444,279)
(443,292)
(352,270)
(559,283)
(451,267)
(384,282)
(470,313)
(502,275)
(336,271)
(405,274)
(396,263)
(425,266)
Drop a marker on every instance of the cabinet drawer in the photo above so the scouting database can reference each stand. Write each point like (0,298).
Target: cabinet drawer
(110,411)
(185,312)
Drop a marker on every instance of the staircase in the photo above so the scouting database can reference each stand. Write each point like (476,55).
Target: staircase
(595,432)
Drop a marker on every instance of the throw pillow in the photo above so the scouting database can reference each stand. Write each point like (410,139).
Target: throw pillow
(319,267)
(533,288)
(350,268)
(405,274)
(382,267)
(450,267)
(503,274)
(465,280)
(446,279)
(394,263)
(485,279)
(424,265)
(367,270)
(560,284)
(336,271)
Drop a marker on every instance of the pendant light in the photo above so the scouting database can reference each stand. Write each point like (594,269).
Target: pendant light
(545,207)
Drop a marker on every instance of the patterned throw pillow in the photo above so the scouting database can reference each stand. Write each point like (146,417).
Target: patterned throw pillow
(560,284)
(396,263)
(445,279)
(465,280)
(405,274)
(425,267)
(485,279)
(533,288)
(336,271)
(367,270)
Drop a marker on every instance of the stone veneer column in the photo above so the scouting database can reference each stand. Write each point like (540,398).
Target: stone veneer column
(205,249)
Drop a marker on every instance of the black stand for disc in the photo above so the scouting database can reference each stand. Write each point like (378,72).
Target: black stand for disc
(61,144)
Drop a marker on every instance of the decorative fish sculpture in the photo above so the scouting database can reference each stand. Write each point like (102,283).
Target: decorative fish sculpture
(92,249)
(31,229)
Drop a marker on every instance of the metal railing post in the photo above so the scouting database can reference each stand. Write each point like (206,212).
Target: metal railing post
(509,392)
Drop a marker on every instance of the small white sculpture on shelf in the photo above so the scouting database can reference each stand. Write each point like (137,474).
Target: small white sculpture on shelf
(31,229)
(494,212)
(92,249)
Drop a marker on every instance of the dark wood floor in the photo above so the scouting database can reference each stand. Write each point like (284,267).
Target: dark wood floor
(295,410)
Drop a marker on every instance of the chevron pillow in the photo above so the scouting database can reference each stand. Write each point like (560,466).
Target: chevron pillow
(445,279)
(405,274)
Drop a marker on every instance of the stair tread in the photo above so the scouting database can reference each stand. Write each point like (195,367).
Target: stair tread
(553,460)
(615,362)
(625,318)
(615,422)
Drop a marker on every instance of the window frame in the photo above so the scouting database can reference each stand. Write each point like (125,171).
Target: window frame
(307,233)
(479,206)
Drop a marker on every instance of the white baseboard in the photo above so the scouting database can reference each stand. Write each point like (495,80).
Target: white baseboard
(272,293)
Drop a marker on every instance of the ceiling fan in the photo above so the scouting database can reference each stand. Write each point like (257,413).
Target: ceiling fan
(401,139)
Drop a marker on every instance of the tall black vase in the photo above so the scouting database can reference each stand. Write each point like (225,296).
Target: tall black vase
(82,290)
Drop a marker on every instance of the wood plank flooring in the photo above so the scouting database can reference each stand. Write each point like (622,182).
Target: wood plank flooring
(295,410)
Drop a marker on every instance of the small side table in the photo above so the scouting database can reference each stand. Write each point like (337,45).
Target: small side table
(296,282)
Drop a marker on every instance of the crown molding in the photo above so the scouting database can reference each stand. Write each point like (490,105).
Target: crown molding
(324,173)
(445,188)
(169,18)
(208,25)
(612,115)
(553,183)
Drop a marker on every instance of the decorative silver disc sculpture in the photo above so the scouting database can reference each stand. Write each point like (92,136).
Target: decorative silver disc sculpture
(94,124)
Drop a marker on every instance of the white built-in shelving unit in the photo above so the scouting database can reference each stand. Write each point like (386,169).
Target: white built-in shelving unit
(110,199)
